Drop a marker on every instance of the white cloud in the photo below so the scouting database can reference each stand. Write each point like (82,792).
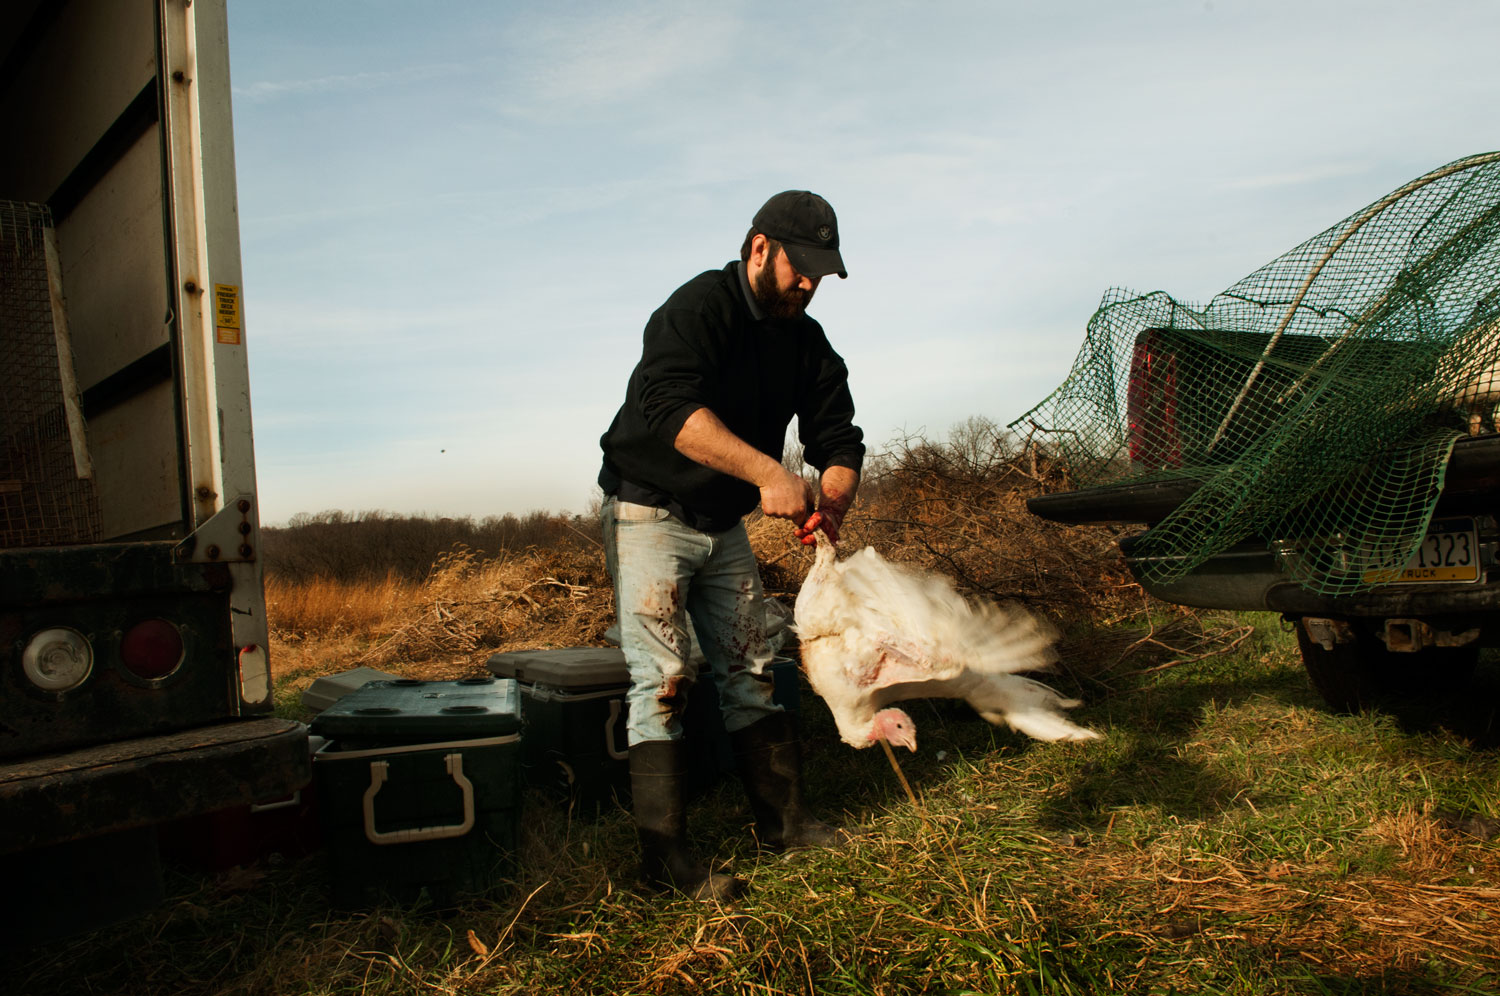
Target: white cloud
(262,90)
(610,55)
(1314,173)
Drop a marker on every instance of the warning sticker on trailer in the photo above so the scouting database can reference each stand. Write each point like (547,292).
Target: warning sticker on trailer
(227,313)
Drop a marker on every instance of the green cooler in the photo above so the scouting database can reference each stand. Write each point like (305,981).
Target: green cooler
(574,743)
(419,789)
(573,699)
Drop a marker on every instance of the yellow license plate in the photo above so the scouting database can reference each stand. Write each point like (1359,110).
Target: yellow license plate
(1449,554)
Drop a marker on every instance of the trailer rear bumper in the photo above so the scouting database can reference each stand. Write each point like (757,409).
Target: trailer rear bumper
(144,781)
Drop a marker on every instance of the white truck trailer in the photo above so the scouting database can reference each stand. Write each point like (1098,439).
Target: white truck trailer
(134,681)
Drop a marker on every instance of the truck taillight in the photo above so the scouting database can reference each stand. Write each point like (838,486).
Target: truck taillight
(58,659)
(1151,404)
(151,649)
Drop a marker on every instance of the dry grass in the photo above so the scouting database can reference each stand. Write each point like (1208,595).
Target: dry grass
(329,607)
(1360,925)
(956,507)
(445,626)
(1227,836)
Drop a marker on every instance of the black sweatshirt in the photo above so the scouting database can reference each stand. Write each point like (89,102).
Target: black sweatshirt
(705,348)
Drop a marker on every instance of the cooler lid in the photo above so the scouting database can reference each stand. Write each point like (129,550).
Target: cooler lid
(328,689)
(412,711)
(575,668)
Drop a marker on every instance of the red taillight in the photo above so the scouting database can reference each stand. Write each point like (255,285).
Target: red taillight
(151,649)
(1151,404)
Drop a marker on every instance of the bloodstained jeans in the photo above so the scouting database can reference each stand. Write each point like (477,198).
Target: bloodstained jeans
(666,572)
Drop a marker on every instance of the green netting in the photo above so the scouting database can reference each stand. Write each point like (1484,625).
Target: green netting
(1317,400)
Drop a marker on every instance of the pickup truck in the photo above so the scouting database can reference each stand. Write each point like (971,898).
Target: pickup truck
(1434,616)
(1187,405)
(135,686)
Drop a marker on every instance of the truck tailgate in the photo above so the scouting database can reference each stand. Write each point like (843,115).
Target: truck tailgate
(1473,469)
(138,782)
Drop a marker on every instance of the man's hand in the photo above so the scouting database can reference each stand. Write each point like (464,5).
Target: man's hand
(786,496)
(783,495)
(837,489)
(827,519)
(704,439)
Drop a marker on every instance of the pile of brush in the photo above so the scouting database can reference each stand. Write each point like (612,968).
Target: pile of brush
(957,507)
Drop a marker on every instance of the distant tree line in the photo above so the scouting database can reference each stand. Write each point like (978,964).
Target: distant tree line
(351,546)
(955,504)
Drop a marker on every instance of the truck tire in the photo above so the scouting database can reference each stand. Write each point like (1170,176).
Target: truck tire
(1363,674)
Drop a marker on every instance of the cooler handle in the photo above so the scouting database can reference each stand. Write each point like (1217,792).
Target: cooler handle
(378,772)
(609,732)
(295,799)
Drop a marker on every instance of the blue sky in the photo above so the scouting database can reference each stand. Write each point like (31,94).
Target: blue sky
(455,218)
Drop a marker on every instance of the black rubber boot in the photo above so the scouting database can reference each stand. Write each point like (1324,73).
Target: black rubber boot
(769,757)
(658,789)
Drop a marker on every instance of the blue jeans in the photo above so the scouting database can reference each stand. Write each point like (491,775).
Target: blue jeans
(665,573)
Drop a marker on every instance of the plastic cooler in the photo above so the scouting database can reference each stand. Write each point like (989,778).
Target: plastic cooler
(419,789)
(573,700)
(328,689)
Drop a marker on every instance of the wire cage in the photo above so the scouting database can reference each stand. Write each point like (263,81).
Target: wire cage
(1316,401)
(47,493)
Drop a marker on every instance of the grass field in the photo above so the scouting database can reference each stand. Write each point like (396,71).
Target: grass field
(1228,836)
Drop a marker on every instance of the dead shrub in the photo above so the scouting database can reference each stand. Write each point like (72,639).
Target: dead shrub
(956,507)
(469,608)
(959,507)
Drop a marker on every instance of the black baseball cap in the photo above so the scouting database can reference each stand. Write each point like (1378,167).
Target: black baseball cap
(805,226)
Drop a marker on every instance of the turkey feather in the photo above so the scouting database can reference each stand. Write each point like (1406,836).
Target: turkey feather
(875,633)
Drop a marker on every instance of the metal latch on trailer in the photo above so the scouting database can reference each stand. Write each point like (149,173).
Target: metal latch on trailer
(227,537)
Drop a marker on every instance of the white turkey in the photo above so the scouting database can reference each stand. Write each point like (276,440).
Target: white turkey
(874,633)
(1468,377)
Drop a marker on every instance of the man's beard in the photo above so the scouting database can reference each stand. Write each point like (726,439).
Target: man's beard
(790,303)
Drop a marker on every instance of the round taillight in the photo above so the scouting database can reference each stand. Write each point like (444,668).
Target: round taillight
(58,659)
(151,649)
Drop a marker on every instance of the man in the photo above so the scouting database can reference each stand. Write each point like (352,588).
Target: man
(727,361)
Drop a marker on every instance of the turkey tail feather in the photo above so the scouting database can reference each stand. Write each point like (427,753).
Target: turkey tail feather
(1028,706)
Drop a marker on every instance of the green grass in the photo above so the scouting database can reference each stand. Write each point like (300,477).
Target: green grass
(1228,836)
